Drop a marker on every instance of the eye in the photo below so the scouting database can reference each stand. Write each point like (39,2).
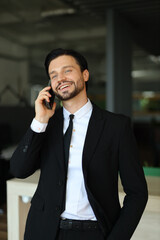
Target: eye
(68,71)
(53,77)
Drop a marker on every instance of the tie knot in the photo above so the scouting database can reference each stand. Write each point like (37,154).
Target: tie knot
(71,116)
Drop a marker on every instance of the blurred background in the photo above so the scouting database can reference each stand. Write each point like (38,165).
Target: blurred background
(121,41)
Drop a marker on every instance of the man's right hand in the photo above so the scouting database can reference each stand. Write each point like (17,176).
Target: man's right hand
(43,114)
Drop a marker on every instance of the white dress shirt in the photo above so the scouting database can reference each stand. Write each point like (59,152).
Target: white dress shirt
(77,205)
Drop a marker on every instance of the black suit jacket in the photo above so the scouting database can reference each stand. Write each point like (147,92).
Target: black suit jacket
(109,150)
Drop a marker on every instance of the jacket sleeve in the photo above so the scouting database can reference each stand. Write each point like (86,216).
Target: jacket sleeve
(26,158)
(134,185)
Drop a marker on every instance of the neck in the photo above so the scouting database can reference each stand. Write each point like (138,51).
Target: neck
(73,105)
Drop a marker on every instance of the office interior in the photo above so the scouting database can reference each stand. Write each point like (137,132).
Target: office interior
(121,41)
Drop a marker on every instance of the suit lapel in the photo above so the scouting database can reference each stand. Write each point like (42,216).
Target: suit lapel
(94,131)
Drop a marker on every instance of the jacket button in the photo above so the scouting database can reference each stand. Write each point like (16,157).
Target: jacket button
(25,148)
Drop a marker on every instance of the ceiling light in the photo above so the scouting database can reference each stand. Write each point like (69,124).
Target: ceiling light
(58,12)
(155,59)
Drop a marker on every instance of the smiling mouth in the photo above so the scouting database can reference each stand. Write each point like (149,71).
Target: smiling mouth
(64,86)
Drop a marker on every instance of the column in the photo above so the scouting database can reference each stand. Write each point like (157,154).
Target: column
(119,59)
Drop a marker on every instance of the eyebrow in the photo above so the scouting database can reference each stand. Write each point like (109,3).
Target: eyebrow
(53,71)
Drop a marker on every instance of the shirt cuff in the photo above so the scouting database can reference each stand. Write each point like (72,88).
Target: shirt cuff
(38,127)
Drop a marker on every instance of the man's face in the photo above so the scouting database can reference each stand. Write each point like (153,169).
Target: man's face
(67,80)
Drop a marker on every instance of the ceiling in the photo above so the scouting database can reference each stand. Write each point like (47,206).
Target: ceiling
(41,25)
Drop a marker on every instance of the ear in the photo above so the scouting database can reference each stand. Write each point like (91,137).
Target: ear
(86,75)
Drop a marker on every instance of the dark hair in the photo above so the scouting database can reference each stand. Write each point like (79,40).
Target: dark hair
(82,62)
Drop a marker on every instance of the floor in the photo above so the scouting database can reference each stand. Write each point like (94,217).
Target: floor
(3,222)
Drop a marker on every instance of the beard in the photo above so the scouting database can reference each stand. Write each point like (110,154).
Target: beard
(69,95)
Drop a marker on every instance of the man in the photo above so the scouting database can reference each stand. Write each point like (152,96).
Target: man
(78,199)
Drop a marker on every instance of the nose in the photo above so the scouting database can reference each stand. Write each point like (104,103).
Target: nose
(61,77)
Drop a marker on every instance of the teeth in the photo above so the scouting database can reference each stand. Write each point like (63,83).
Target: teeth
(64,86)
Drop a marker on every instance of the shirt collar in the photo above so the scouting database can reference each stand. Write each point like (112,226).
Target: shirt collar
(81,112)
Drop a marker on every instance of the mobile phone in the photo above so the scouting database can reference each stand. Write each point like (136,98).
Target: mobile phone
(49,105)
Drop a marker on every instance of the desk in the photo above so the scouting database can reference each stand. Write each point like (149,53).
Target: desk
(17,210)
(147,229)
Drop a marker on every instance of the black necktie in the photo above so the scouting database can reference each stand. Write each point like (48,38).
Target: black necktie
(67,138)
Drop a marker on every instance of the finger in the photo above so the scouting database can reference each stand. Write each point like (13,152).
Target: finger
(46,93)
(45,89)
(43,97)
